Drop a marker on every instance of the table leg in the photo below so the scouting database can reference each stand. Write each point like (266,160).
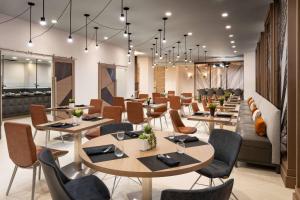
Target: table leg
(211,126)
(147,188)
(77,144)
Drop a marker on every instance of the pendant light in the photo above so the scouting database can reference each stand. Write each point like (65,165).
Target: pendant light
(70,39)
(205,52)
(198,48)
(96,29)
(125,34)
(126,14)
(129,50)
(173,57)
(86,17)
(122,17)
(190,55)
(185,51)
(166,55)
(30,44)
(169,56)
(178,43)
(160,55)
(152,57)
(164,38)
(130,46)
(156,52)
(129,61)
(43,21)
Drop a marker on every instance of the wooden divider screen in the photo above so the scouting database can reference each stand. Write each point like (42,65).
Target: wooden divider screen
(106,82)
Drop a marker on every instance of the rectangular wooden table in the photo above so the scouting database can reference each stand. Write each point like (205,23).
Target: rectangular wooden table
(76,131)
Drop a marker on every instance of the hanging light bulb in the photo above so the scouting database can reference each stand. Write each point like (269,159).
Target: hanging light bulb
(122,16)
(125,34)
(96,29)
(86,17)
(190,55)
(185,50)
(198,49)
(160,46)
(156,52)
(30,44)
(164,38)
(70,39)
(86,50)
(43,21)
(129,60)
(169,56)
(126,14)
(173,57)
(178,43)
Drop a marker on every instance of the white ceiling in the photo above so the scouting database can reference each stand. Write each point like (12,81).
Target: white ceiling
(202,17)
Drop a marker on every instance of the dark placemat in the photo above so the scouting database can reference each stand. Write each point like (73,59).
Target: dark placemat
(223,115)
(104,157)
(188,144)
(62,108)
(127,137)
(93,119)
(154,164)
(200,113)
(61,125)
(80,105)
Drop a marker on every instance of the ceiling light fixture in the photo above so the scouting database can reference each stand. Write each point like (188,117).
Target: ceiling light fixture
(129,49)
(198,51)
(169,56)
(178,43)
(164,39)
(27,59)
(232,42)
(30,44)
(105,38)
(125,34)
(70,39)
(86,17)
(166,56)
(190,55)
(235,51)
(225,14)
(231,35)
(205,53)
(126,13)
(152,56)
(14,58)
(96,29)
(160,55)
(43,21)
(122,17)
(156,52)
(190,33)
(129,61)
(173,57)
(204,46)
(54,21)
(168,14)
(228,27)
(185,51)
(233,46)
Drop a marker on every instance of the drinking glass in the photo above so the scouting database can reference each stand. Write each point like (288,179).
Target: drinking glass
(171,135)
(180,147)
(120,135)
(119,150)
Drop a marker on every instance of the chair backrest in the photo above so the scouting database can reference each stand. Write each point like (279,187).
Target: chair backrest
(175,102)
(112,128)
(97,106)
(202,92)
(38,114)
(160,100)
(204,104)
(135,112)
(220,192)
(210,92)
(171,92)
(220,92)
(176,120)
(195,107)
(113,112)
(227,146)
(54,176)
(143,96)
(21,148)
(189,95)
(155,95)
(119,101)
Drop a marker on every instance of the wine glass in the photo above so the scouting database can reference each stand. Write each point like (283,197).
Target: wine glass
(120,135)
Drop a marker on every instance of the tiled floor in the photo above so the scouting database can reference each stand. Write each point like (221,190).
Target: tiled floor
(251,183)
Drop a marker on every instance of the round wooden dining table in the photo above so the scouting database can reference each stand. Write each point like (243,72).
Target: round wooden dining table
(131,166)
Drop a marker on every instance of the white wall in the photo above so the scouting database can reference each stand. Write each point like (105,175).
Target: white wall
(15,35)
(13,74)
(146,74)
(249,74)
(171,83)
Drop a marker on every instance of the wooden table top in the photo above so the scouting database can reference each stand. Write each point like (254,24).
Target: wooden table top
(154,106)
(83,125)
(132,167)
(209,118)
(68,109)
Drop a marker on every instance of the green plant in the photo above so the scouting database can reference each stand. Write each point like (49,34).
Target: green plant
(221,100)
(149,135)
(227,94)
(72,100)
(212,106)
(77,112)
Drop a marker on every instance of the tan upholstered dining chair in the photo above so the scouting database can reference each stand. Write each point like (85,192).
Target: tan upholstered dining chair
(178,125)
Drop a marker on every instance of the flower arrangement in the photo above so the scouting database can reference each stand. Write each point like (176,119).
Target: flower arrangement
(227,95)
(77,113)
(148,139)
(212,108)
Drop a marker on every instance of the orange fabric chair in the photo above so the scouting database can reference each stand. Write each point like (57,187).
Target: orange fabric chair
(171,93)
(97,107)
(23,152)
(155,95)
(195,107)
(39,116)
(135,114)
(161,111)
(187,100)
(204,104)
(175,103)
(109,112)
(119,101)
(143,96)
(178,125)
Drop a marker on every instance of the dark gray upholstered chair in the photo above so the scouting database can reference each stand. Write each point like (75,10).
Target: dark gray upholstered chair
(220,92)
(227,147)
(112,128)
(202,92)
(61,187)
(210,92)
(238,92)
(220,192)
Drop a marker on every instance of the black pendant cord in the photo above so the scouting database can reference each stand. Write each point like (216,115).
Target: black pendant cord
(166,55)
(190,54)
(169,56)
(164,34)
(30,21)
(185,50)
(44,9)
(122,7)
(198,51)
(178,43)
(96,28)
(205,52)
(126,14)
(173,54)
(70,28)
(156,52)
(160,55)
(86,19)
(152,56)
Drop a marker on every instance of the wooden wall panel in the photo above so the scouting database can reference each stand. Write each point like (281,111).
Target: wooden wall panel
(106,82)
(159,79)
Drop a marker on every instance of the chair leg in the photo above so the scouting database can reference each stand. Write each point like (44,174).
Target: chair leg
(61,137)
(11,179)
(136,127)
(33,183)
(40,171)
(166,121)
(160,124)
(195,182)
(210,182)
(231,192)
(35,132)
(46,139)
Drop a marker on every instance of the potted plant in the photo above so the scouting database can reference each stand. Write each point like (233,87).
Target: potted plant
(212,108)
(227,95)
(77,113)
(221,100)
(147,139)
(148,101)
(71,103)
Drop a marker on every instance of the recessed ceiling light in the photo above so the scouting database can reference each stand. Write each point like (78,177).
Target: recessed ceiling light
(190,33)
(39,60)
(234,46)
(225,14)
(168,14)
(231,35)
(49,61)
(235,51)
(54,21)
(204,46)
(232,41)
(27,59)
(228,26)
(14,57)
(105,38)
